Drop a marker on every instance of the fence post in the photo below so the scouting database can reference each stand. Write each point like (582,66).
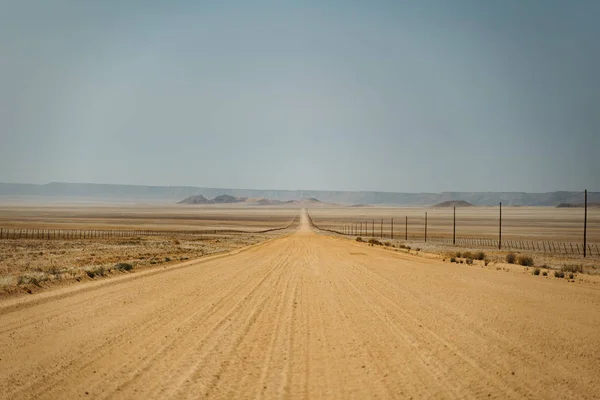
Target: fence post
(373,228)
(381,228)
(392,229)
(1,232)
(425,226)
(454,228)
(500,229)
(406,228)
(585,224)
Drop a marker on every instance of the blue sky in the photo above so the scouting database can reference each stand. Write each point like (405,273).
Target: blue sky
(394,96)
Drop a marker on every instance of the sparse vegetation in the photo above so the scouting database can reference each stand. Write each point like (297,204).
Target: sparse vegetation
(559,274)
(480,256)
(359,239)
(526,261)
(572,268)
(545,273)
(536,271)
(486,262)
(571,276)
(95,271)
(123,267)
(375,242)
(511,258)
(469,261)
(388,244)
(468,254)
(452,260)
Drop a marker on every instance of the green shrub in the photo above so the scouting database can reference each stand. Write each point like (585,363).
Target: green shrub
(536,271)
(123,267)
(525,261)
(511,258)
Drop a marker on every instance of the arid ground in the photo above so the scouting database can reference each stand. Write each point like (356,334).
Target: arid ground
(305,315)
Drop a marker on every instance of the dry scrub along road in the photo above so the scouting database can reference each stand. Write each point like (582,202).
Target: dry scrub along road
(305,316)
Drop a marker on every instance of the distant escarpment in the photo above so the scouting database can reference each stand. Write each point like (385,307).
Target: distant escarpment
(222,199)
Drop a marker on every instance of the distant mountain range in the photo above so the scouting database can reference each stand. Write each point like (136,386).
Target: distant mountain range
(174,194)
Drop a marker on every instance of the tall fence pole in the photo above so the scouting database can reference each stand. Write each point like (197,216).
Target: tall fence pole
(406,228)
(500,229)
(373,228)
(392,229)
(425,226)
(585,224)
(454,228)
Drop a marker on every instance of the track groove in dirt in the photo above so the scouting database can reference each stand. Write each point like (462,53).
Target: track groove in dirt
(306,316)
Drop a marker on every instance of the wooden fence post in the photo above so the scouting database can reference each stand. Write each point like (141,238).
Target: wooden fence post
(585,224)
(392,229)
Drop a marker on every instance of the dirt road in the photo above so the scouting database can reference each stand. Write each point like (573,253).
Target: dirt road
(305,316)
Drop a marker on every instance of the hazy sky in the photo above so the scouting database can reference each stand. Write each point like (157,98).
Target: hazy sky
(393,95)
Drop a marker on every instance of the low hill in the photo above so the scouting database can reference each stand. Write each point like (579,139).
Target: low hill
(198,199)
(579,205)
(271,202)
(454,203)
(222,199)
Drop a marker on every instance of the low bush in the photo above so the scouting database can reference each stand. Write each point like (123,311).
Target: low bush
(359,239)
(123,267)
(375,242)
(468,254)
(525,261)
(387,244)
(452,260)
(571,276)
(458,254)
(95,271)
(486,262)
(536,271)
(545,273)
(511,258)
(572,268)
(418,249)
(480,256)
(469,261)
(559,274)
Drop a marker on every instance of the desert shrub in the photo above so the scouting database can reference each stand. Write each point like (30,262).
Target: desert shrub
(96,271)
(545,273)
(480,256)
(387,244)
(452,260)
(359,239)
(469,261)
(486,262)
(559,274)
(123,267)
(167,259)
(176,242)
(536,271)
(458,254)
(418,249)
(511,258)
(375,242)
(526,261)
(572,268)
(571,275)
(468,254)
(461,261)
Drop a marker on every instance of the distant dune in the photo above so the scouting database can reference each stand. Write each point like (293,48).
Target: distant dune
(361,205)
(454,203)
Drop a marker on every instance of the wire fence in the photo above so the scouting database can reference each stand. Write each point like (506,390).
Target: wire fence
(84,234)
(378,229)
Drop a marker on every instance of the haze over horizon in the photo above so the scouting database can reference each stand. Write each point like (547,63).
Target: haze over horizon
(412,97)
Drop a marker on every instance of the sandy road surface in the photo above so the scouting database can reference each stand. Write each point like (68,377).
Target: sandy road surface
(306,316)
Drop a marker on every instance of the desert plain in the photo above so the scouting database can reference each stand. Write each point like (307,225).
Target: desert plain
(293,313)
